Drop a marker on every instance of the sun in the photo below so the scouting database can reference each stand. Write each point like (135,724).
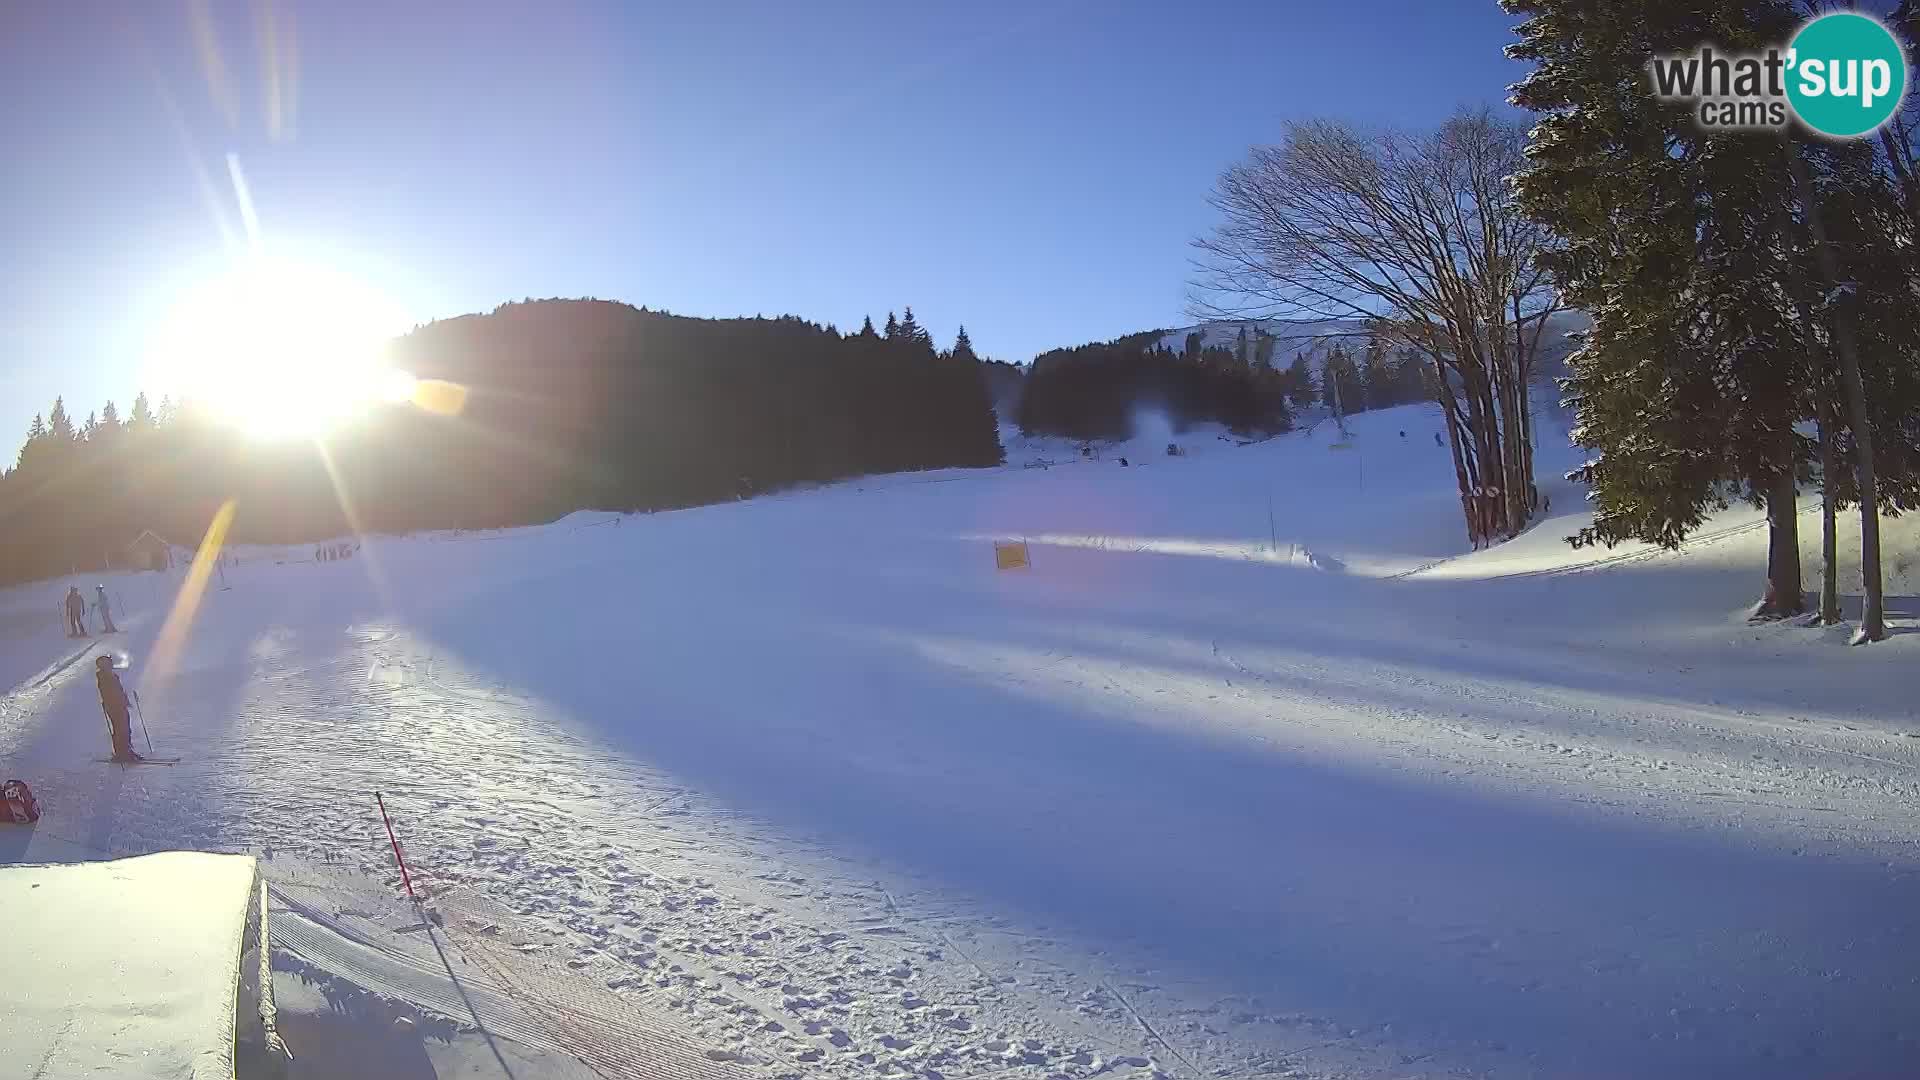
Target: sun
(282,349)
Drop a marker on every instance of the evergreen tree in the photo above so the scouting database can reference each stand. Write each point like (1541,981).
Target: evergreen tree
(912,331)
(1093,391)
(963,347)
(142,415)
(893,328)
(59,425)
(1857,218)
(1340,387)
(1695,372)
(1375,379)
(1299,383)
(36,440)
(1263,351)
(1412,378)
(866,327)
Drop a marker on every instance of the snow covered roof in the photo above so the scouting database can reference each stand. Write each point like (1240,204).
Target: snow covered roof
(129,968)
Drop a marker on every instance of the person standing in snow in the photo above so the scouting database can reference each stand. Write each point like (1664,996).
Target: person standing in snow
(105,612)
(76,612)
(113,702)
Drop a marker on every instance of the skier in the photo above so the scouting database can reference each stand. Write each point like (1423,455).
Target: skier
(106,612)
(113,702)
(76,612)
(1436,439)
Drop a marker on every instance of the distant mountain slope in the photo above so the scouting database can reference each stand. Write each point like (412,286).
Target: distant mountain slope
(1316,337)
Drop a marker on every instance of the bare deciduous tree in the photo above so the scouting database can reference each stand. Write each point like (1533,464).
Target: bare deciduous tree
(1419,237)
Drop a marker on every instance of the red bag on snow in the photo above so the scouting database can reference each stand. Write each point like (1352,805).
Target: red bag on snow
(17,804)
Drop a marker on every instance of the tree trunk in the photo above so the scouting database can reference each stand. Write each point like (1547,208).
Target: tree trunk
(1487,451)
(1526,451)
(1519,457)
(1442,392)
(1829,560)
(1784,596)
(1873,620)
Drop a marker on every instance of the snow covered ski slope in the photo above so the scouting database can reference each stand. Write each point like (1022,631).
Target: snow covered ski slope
(1254,772)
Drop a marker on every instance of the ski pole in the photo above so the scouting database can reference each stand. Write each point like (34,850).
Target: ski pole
(144,733)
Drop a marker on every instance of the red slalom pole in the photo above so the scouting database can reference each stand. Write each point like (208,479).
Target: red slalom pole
(404,879)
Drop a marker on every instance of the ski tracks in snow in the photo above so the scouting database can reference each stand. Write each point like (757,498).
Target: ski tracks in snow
(1647,748)
(593,871)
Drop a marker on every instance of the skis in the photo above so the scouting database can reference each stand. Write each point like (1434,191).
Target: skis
(138,761)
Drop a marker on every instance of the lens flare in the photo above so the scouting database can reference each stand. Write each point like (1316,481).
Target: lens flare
(282,349)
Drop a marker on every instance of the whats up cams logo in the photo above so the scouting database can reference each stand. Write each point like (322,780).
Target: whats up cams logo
(1843,75)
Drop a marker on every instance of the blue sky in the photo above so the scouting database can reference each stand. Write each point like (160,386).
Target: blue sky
(1033,169)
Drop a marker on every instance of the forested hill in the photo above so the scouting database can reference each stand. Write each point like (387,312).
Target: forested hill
(607,406)
(1093,391)
(570,405)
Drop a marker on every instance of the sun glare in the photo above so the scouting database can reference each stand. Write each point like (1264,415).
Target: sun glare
(282,349)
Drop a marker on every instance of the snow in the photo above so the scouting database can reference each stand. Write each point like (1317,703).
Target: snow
(125,968)
(1256,771)
(1317,337)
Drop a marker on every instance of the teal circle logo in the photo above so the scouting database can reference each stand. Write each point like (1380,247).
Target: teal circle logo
(1846,74)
